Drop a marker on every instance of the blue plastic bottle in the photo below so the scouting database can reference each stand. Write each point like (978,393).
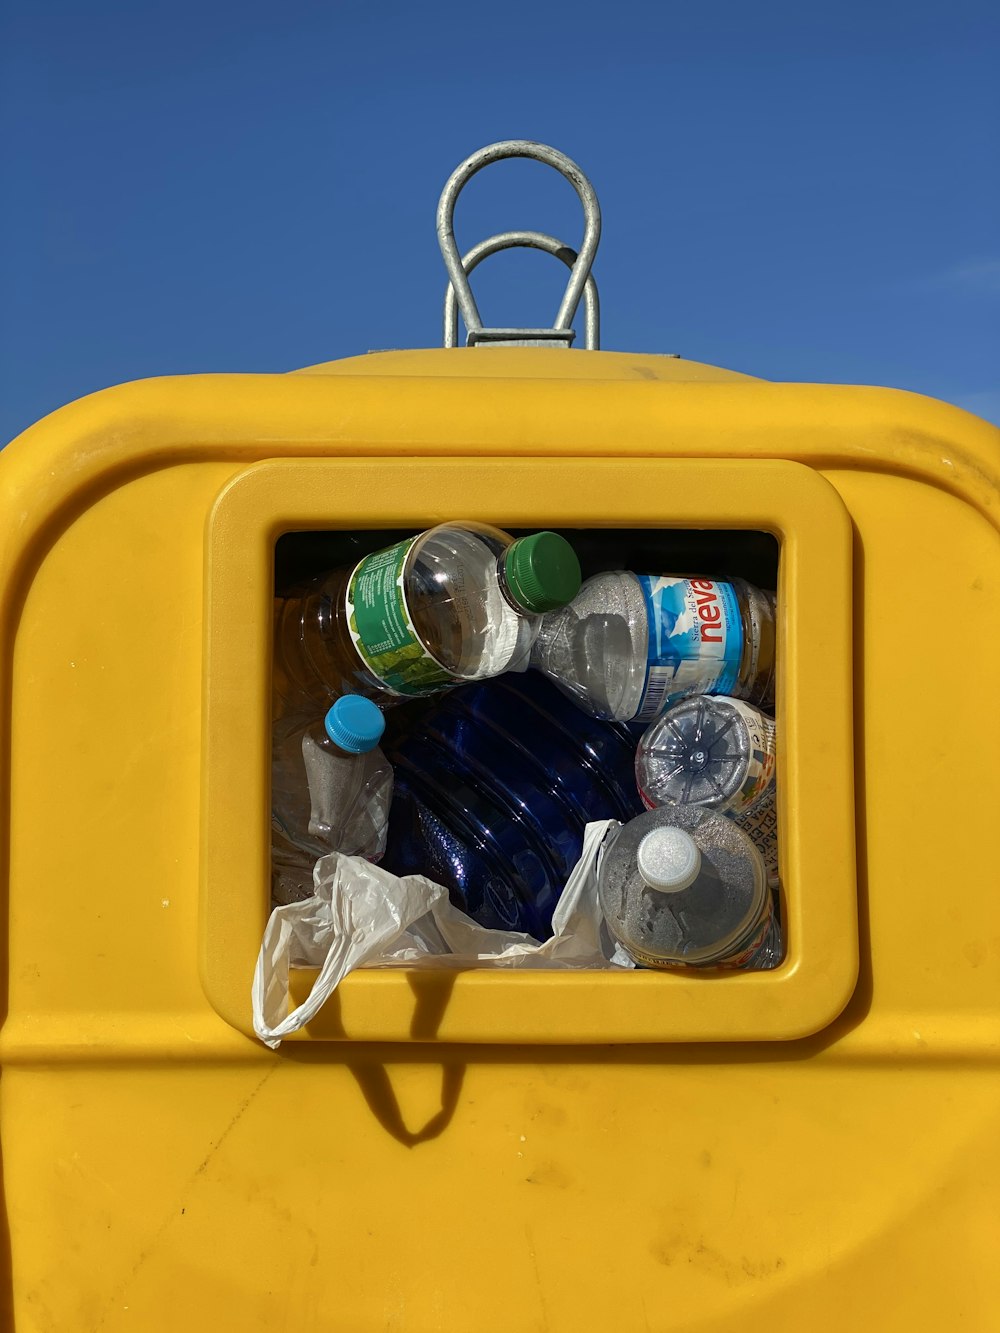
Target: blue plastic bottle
(493,788)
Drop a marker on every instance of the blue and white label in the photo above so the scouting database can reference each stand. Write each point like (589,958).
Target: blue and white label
(695,640)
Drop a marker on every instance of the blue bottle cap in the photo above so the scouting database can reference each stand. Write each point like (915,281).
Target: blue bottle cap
(355,724)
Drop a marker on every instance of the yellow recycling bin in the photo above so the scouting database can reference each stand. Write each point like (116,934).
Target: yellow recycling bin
(815,1147)
(812,1148)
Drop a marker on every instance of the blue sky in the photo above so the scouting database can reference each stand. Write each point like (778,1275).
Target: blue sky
(800,191)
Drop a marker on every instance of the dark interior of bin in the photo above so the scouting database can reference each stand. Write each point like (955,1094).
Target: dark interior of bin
(421,838)
(713,553)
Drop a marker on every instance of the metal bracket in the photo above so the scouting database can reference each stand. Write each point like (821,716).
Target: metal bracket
(533,240)
(561,333)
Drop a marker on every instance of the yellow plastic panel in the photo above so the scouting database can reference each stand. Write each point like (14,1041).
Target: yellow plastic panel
(511,363)
(565,1192)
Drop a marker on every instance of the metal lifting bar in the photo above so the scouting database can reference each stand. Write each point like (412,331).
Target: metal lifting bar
(534,240)
(580,283)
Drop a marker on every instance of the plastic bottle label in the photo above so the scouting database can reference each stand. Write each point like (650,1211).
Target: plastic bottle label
(695,640)
(761,823)
(739,959)
(382,628)
(761,762)
(745,956)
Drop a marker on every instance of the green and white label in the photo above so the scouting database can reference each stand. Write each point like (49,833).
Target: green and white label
(382,628)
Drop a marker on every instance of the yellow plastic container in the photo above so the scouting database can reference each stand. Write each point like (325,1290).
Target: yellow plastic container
(815,1148)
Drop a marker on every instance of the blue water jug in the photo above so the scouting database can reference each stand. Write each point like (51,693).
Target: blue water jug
(493,787)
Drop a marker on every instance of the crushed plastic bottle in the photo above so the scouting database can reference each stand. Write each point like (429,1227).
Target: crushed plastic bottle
(461,602)
(331,787)
(686,887)
(707,750)
(495,785)
(630,645)
(719,753)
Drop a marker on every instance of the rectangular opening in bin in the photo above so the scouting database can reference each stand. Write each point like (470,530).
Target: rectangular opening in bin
(290,517)
(496,780)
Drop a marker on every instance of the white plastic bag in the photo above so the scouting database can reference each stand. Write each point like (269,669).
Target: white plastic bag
(360,915)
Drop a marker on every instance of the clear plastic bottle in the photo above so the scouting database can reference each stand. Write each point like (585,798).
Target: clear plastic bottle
(331,787)
(629,645)
(719,753)
(686,887)
(460,602)
(707,750)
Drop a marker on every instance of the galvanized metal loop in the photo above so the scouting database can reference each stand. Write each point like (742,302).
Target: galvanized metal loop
(583,263)
(531,240)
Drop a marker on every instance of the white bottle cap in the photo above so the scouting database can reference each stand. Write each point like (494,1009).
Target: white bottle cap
(668,859)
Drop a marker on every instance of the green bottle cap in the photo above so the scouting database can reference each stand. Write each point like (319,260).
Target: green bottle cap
(542,572)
